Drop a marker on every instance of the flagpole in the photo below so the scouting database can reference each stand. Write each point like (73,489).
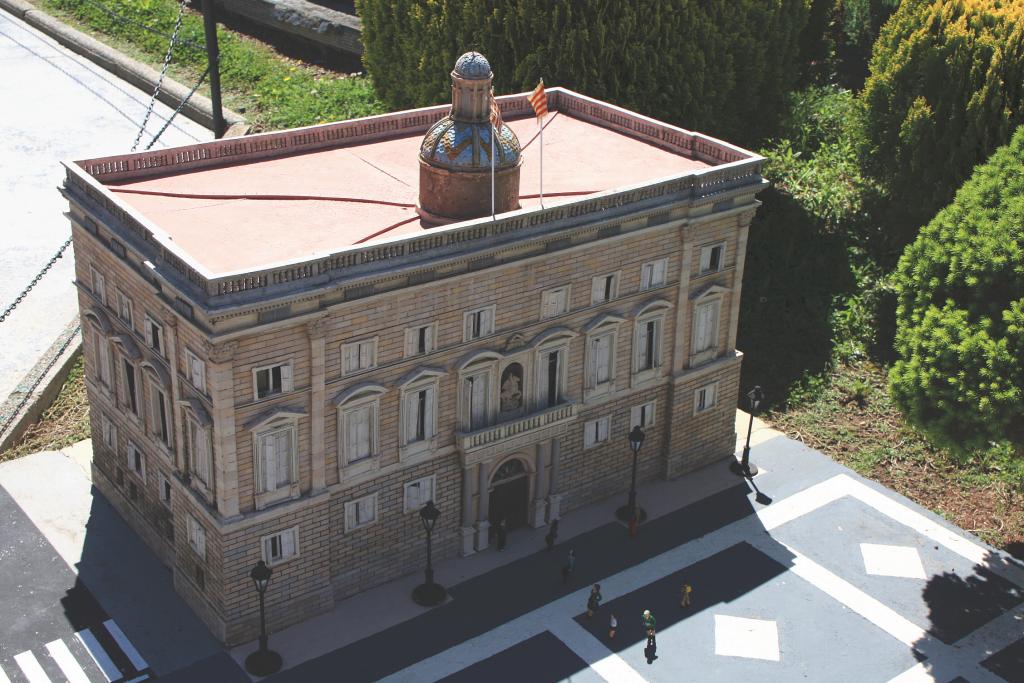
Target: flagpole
(541,120)
(492,172)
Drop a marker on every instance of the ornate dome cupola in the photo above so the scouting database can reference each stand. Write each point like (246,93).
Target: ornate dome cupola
(455,155)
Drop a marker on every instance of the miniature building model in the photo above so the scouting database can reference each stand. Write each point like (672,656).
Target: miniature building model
(295,340)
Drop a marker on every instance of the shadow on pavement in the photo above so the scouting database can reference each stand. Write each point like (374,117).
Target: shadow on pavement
(960,604)
(136,589)
(488,601)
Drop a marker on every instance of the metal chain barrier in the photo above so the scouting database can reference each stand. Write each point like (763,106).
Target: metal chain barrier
(35,280)
(177,111)
(163,73)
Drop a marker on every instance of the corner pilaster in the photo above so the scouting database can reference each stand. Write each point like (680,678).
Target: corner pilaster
(225,459)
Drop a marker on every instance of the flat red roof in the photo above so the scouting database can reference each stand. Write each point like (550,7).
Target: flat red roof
(252,214)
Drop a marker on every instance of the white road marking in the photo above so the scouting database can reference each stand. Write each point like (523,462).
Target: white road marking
(69,666)
(143,677)
(31,668)
(126,646)
(3,677)
(605,663)
(98,654)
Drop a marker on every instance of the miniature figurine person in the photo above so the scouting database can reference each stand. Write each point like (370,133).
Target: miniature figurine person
(569,567)
(684,600)
(633,521)
(549,540)
(650,625)
(613,624)
(502,534)
(594,600)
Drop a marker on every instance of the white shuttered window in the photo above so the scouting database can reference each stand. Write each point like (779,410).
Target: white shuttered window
(276,458)
(596,431)
(653,274)
(420,409)
(358,424)
(360,512)
(281,546)
(705,326)
(599,360)
(199,447)
(359,356)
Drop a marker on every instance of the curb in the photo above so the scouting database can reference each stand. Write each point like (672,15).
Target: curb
(40,386)
(198,108)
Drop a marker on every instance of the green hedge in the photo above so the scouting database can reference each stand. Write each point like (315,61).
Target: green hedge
(960,312)
(946,89)
(720,66)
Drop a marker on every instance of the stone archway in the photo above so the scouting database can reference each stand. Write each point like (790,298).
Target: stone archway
(510,494)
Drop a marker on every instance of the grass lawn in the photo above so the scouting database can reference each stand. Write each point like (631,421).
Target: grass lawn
(63,423)
(272,91)
(850,417)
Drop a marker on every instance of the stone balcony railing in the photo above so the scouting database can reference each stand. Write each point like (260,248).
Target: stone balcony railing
(549,417)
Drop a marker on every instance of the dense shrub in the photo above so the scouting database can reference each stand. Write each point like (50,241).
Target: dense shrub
(960,312)
(720,66)
(946,88)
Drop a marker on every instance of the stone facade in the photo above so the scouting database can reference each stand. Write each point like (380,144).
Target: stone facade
(191,476)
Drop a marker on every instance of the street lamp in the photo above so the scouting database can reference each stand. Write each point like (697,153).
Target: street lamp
(429,593)
(630,509)
(263,662)
(744,468)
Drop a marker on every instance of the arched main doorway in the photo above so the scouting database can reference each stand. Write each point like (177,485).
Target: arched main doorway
(509,495)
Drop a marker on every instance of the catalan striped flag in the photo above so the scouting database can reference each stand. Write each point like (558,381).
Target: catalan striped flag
(495,113)
(539,100)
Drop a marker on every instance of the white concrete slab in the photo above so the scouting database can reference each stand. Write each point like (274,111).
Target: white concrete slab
(892,560)
(58,105)
(743,637)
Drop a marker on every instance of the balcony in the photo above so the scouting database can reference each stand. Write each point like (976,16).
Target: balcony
(534,422)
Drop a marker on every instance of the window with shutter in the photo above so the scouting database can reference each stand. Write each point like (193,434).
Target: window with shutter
(286,377)
(704,398)
(124,308)
(102,349)
(705,326)
(476,391)
(360,512)
(596,431)
(196,370)
(711,258)
(131,391)
(602,352)
(653,274)
(99,286)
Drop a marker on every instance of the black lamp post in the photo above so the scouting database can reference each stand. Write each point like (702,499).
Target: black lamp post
(630,509)
(744,468)
(429,593)
(263,662)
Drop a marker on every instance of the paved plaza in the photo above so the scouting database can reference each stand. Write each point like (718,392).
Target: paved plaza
(808,573)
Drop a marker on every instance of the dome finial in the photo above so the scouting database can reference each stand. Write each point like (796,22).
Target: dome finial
(472,66)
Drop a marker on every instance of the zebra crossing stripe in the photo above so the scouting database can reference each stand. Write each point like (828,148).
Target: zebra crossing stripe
(98,654)
(126,646)
(3,677)
(31,668)
(69,666)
